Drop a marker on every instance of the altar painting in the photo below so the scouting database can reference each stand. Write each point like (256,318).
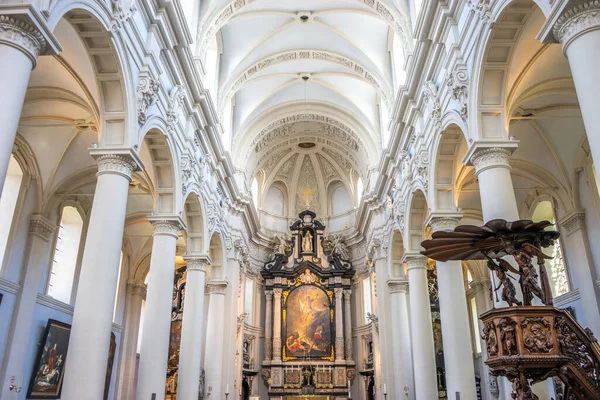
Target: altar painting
(307,324)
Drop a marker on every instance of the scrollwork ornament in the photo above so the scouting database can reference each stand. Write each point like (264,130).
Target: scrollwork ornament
(123,10)
(22,35)
(147,94)
(575,21)
(458,82)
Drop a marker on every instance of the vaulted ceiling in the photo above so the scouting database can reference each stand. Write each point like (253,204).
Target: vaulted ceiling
(283,61)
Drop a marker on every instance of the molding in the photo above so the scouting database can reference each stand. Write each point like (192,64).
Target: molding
(567,298)
(50,302)
(9,287)
(573,222)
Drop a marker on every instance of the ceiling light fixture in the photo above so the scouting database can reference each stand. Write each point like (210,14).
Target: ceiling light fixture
(304,18)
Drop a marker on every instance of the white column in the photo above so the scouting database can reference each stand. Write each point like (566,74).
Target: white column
(192,330)
(339,325)
(215,338)
(454,314)
(277,324)
(269,326)
(578,30)
(85,371)
(495,184)
(136,293)
(403,371)
(21,43)
(348,326)
(421,329)
(41,231)
(154,352)
(578,254)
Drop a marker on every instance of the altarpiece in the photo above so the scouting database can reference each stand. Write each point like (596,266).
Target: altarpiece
(308,330)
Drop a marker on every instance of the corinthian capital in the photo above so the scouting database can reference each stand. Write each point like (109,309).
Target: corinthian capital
(415,261)
(197,263)
(18,33)
(166,226)
(41,227)
(443,221)
(577,20)
(216,287)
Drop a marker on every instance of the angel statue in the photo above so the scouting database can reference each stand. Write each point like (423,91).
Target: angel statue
(508,289)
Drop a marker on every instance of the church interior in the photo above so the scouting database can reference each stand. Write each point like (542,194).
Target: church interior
(299,200)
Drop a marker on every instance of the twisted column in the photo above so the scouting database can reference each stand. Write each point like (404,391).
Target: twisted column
(421,329)
(192,329)
(92,320)
(460,375)
(154,352)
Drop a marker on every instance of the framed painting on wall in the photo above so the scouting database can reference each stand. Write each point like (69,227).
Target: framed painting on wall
(49,368)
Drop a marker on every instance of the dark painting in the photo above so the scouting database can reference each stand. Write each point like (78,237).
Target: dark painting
(48,372)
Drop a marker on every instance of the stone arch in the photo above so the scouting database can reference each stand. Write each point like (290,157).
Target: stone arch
(415,232)
(28,162)
(447,153)
(106,50)
(158,151)
(494,54)
(193,214)
(216,252)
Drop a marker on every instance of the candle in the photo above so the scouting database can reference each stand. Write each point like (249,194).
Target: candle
(226,389)
(384,388)
(348,384)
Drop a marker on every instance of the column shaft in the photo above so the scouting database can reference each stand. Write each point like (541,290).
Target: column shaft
(402,375)
(92,321)
(277,325)
(454,314)
(136,292)
(215,338)
(348,325)
(579,257)
(192,330)
(422,330)
(269,326)
(40,232)
(154,352)
(339,325)
(578,29)
(18,58)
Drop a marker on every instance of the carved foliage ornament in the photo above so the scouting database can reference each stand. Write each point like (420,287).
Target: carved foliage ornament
(482,8)
(122,11)
(41,227)
(430,96)
(116,164)
(176,97)
(23,35)
(147,94)
(490,157)
(166,227)
(579,19)
(458,82)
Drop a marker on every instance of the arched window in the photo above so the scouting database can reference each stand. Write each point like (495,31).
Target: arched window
(66,253)
(249,300)
(340,201)
(275,201)
(118,288)
(8,203)
(557,273)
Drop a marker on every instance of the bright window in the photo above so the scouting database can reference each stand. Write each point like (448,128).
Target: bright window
(367,298)
(557,273)
(66,253)
(8,203)
(140,330)
(249,300)
(254,191)
(359,190)
(118,287)
(475,324)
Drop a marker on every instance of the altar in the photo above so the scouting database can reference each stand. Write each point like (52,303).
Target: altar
(308,331)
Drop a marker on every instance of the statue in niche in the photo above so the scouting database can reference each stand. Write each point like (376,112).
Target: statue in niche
(307,245)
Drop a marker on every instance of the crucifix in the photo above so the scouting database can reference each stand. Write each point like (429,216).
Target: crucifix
(307,193)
